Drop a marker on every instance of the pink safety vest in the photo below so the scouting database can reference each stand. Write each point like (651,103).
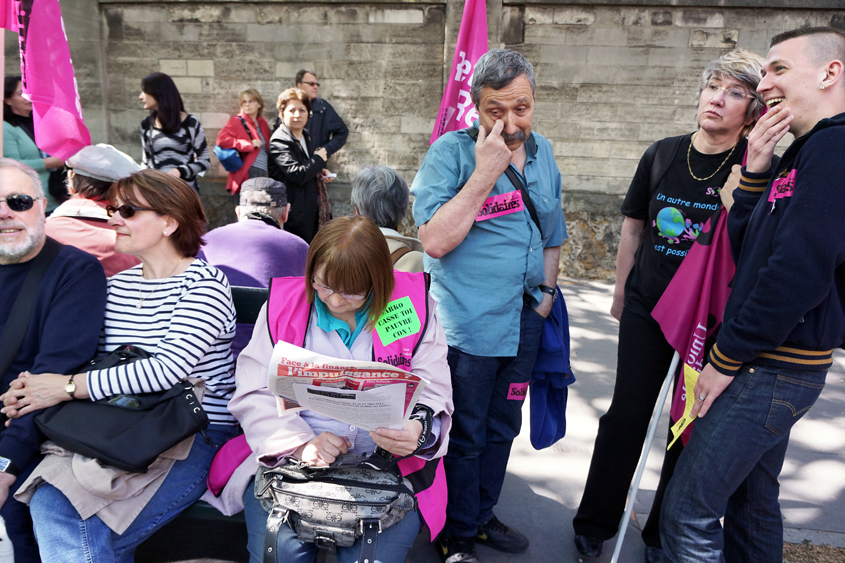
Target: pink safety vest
(287,318)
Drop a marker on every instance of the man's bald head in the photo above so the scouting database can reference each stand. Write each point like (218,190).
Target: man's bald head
(826,43)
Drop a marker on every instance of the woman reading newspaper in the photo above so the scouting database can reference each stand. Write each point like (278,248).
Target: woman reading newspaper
(334,310)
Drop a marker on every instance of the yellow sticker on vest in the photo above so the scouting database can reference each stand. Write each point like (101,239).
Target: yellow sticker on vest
(398,321)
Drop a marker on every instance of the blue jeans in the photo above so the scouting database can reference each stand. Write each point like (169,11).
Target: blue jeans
(730,468)
(393,543)
(487,418)
(64,537)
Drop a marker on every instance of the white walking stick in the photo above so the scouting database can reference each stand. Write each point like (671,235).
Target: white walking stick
(652,427)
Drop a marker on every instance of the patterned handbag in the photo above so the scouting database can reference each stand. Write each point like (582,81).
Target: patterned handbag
(332,506)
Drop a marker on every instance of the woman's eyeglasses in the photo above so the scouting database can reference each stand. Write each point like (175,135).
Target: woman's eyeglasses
(126,211)
(734,94)
(323,290)
(20,202)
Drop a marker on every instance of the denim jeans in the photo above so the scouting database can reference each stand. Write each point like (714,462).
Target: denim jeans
(393,543)
(730,468)
(487,417)
(64,537)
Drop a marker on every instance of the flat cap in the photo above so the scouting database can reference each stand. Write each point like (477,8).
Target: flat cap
(265,192)
(102,162)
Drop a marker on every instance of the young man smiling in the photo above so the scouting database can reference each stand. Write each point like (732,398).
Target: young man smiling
(784,316)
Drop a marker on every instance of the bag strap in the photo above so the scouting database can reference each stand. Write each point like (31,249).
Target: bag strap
(517,183)
(370,530)
(397,254)
(275,520)
(663,157)
(248,132)
(21,314)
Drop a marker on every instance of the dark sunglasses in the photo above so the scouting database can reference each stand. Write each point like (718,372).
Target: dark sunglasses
(317,84)
(20,202)
(126,211)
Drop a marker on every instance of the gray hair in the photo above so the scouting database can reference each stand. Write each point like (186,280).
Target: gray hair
(32,174)
(747,68)
(497,68)
(381,194)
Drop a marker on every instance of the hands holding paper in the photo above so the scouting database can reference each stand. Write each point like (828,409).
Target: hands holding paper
(398,442)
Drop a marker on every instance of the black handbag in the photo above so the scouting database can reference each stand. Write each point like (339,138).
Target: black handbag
(125,431)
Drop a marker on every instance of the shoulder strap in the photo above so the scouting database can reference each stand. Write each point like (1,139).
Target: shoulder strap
(21,313)
(397,254)
(243,122)
(665,153)
(517,183)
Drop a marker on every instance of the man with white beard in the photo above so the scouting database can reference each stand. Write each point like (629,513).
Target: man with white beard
(60,332)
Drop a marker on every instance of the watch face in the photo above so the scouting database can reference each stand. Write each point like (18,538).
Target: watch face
(4,463)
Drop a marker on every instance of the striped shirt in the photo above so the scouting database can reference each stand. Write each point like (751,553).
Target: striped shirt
(261,159)
(186,322)
(186,149)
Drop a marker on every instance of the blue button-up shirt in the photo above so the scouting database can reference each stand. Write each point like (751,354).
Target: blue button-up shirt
(479,284)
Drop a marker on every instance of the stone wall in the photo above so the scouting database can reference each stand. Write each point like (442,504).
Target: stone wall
(612,78)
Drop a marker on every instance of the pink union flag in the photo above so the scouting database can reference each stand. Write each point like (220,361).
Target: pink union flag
(456,108)
(48,78)
(691,309)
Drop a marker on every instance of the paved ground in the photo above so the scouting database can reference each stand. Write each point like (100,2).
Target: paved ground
(542,489)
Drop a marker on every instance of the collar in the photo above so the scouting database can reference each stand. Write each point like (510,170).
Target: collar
(263,217)
(329,323)
(82,208)
(413,243)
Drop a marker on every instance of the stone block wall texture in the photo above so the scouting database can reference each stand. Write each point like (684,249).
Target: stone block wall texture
(612,77)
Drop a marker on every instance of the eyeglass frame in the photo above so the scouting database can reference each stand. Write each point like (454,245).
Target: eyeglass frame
(727,91)
(24,197)
(328,292)
(112,209)
(317,84)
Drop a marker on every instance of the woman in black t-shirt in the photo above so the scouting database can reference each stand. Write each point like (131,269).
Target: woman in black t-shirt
(663,217)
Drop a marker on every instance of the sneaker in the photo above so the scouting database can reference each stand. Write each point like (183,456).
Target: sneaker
(501,538)
(458,550)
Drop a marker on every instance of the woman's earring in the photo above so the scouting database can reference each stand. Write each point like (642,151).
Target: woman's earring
(822,88)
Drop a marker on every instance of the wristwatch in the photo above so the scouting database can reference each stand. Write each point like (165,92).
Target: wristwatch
(550,290)
(6,466)
(70,387)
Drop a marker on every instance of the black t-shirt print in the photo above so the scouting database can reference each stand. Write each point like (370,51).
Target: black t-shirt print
(675,214)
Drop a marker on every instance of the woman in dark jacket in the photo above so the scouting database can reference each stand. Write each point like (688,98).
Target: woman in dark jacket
(300,166)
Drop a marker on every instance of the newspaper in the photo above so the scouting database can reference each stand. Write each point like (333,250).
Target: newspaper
(368,395)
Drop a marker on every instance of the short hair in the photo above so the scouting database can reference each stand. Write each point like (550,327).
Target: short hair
(30,173)
(356,260)
(301,74)
(745,67)
(170,107)
(90,188)
(827,43)
(252,93)
(292,94)
(166,195)
(497,68)
(381,194)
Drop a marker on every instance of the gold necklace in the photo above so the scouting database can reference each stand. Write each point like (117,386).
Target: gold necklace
(689,149)
(142,299)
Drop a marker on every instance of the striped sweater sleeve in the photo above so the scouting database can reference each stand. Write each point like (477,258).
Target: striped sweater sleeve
(201,160)
(189,347)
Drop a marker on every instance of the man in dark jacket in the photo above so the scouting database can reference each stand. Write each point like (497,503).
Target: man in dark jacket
(63,328)
(326,127)
(784,318)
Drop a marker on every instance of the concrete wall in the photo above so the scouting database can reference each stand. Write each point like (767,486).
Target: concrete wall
(612,78)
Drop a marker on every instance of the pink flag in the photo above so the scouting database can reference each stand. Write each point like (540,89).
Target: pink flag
(456,108)
(47,75)
(691,309)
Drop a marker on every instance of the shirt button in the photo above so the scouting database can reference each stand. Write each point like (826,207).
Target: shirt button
(751,370)
(352,428)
